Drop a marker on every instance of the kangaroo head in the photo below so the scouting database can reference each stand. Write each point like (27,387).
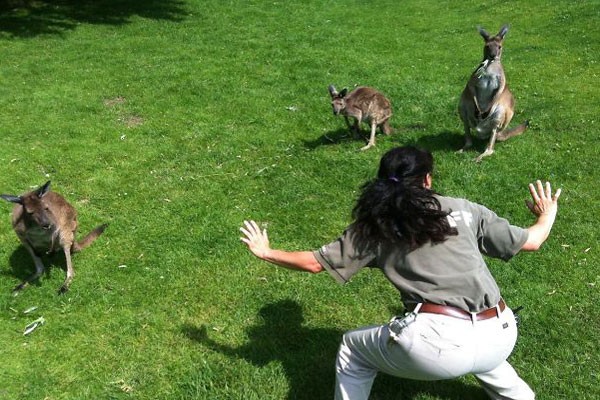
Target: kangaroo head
(492,49)
(338,101)
(36,209)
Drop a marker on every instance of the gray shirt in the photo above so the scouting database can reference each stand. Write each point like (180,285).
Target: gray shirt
(452,273)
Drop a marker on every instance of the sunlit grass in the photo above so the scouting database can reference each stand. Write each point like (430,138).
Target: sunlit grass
(176,121)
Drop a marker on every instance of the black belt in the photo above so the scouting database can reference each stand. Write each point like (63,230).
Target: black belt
(456,312)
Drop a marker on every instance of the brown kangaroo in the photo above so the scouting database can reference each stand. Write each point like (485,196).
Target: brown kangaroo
(363,104)
(486,103)
(45,222)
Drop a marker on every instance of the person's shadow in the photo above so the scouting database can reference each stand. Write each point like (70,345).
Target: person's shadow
(308,355)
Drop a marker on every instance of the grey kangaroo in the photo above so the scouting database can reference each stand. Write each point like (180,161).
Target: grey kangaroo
(363,104)
(486,103)
(45,222)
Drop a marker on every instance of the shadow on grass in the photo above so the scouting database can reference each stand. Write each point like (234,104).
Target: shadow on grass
(22,265)
(307,356)
(335,137)
(447,141)
(29,18)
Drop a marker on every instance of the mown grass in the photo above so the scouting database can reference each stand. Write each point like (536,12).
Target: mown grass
(176,120)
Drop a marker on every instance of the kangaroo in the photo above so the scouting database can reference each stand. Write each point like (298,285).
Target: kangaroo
(363,104)
(486,103)
(45,222)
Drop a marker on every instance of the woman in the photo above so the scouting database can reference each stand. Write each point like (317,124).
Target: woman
(430,248)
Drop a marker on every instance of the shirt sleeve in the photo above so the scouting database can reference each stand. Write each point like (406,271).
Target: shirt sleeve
(497,237)
(341,259)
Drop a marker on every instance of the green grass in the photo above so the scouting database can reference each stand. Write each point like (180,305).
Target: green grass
(176,120)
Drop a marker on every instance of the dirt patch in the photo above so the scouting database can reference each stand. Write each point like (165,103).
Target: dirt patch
(132,121)
(114,101)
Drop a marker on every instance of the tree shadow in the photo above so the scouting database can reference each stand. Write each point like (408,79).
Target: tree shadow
(22,266)
(308,355)
(30,18)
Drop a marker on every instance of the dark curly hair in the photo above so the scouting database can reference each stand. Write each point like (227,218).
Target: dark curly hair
(396,207)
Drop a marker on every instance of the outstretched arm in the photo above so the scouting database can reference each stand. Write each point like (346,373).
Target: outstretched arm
(544,206)
(257,241)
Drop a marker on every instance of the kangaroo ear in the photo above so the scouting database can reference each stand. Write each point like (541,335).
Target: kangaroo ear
(502,32)
(12,199)
(483,33)
(332,91)
(344,92)
(43,190)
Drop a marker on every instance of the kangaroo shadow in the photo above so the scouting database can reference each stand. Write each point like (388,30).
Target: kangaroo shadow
(308,355)
(22,265)
(346,135)
(445,141)
(336,137)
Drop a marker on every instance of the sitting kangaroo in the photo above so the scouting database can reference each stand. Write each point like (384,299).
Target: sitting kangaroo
(45,223)
(363,104)
(486,103)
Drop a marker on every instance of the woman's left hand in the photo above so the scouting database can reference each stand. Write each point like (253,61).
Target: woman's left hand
(256,240)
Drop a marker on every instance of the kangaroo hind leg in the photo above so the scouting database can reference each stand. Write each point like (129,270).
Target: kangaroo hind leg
(70,271)
(490,147)
(372,138)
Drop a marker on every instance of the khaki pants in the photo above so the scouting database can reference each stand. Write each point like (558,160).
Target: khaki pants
(432,347)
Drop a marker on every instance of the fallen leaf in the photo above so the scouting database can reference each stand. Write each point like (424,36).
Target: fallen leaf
(34,325)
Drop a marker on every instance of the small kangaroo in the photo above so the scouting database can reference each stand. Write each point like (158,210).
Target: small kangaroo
(486,103)
(45,222)
(363,104)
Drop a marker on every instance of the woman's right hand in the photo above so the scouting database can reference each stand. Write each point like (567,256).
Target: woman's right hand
(544,203)
(544,206)
(256,240)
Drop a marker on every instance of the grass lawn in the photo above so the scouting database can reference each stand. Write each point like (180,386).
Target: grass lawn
(175,120)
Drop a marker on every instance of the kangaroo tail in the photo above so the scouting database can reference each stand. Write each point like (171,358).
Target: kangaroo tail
(89,238)
(517,130)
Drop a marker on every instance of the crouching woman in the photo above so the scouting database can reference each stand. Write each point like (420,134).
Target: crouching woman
(430,247)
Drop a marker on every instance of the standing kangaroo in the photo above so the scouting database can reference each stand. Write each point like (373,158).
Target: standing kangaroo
(45,222)
(486,103)
(363,104)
